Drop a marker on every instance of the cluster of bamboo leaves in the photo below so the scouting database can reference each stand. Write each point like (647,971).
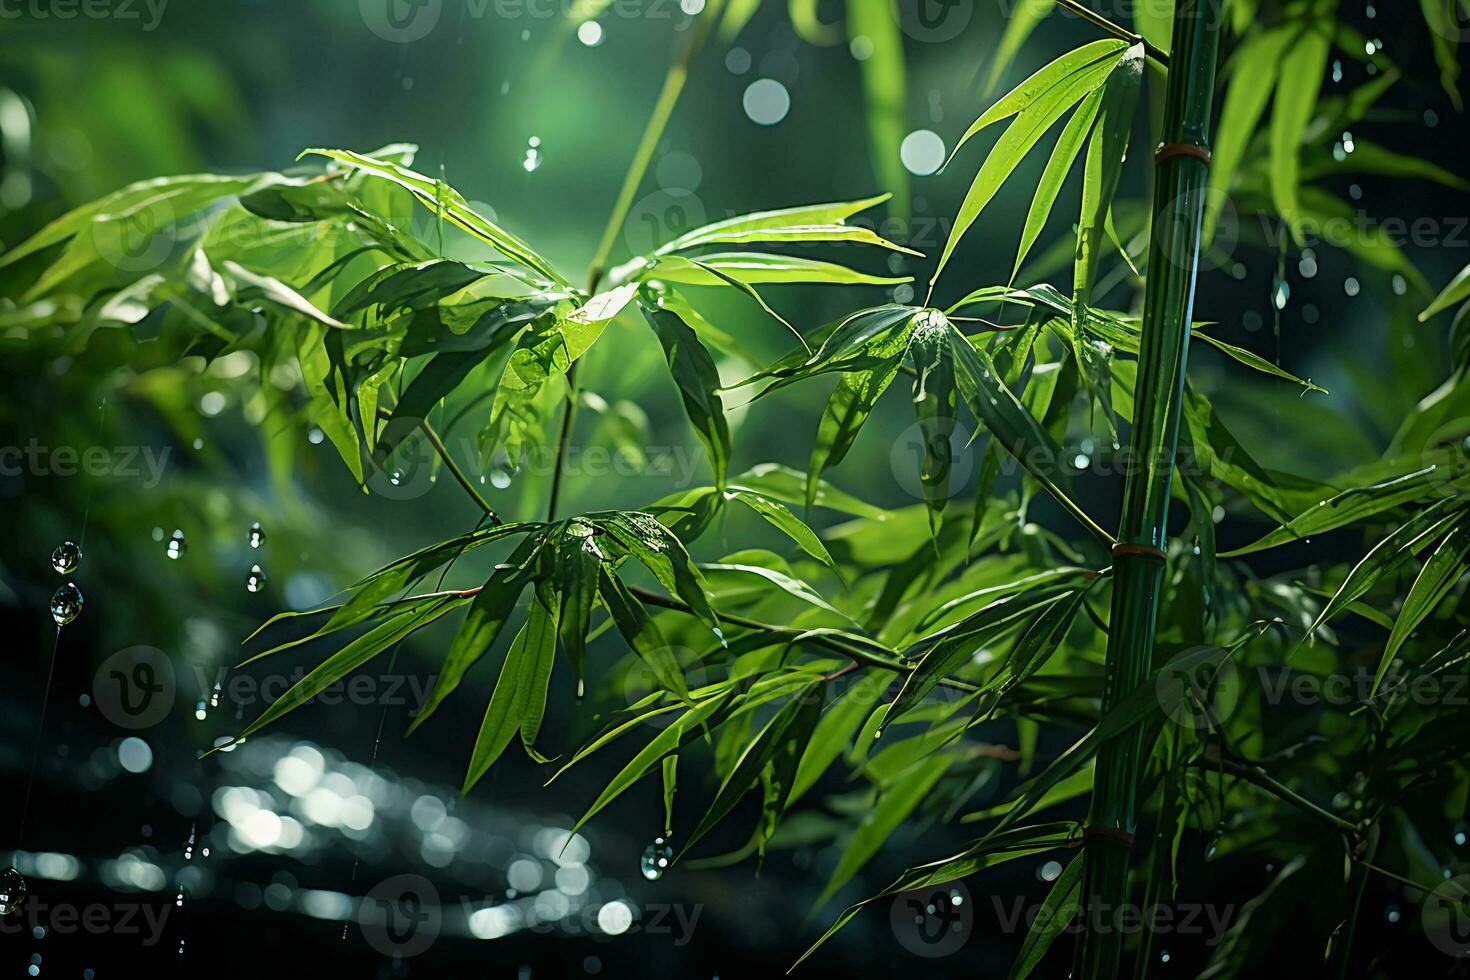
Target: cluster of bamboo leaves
(887,641)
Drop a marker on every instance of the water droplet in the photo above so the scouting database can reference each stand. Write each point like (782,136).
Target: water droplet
(257,536)
(12,891)
(66,557)
(737,61)
(1280,293)
(1350,286)
(1462,832)
(255,581)
(1307,266)
(656,859)
(1337,70)
(177,545)
(1163,956)
(66,604)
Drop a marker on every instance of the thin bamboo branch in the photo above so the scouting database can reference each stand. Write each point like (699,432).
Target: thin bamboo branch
(1115,29)
(668,97)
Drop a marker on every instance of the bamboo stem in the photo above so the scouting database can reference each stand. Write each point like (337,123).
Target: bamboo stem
(658,121)
(1139,563)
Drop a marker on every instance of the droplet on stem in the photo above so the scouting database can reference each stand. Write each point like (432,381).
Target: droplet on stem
(66,557)
(66,604)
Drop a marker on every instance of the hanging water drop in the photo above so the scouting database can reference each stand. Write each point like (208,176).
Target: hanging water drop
(66,604)
(189,844)
(255,581)
(500,478)
(12,891)
(66,557)
(177,545)
(1280,293)
(257,536)
(656,859)
(1461,833)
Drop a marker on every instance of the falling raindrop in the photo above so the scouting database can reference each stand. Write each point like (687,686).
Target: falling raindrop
(1164,956)
(255,581)
(1462,829)
(656,859)
(66,604)
(66,557)
(257,536)
(177,545)
(12,891)
(1280,293)
(1337,70)
(189,844)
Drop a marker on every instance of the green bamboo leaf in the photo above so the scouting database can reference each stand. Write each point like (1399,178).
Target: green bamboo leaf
(850,405)
(447,204)
(270,290)
(945,651)
(1254,361)
(935,398)
(578,563)
(795,719)
(995,405)
(488,614)
(1057,167)
(838,725)
(805,216)
(1440,574)
(894,806)
(798,234)
(792,586)
(1045,81)
(1055,915)
(1254,68)
(1106,148)
(784,521)
(663,554)
(1347,507)
(1445,25)
(698,379)
(1456,292)
(671,785)
(1031,123)
(1021,842)
(1303,65)
(762,268)
(688,726)
(519,698)
(1019,24)
(1371,158)
(789,487)
(1398,547)
(351,657)
(407,286)
(642,634)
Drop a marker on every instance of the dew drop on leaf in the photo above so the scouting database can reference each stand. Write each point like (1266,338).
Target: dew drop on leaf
(66,557)
(656,859)
(66,604)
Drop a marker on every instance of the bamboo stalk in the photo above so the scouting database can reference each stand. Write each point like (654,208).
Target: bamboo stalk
(1179,183)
